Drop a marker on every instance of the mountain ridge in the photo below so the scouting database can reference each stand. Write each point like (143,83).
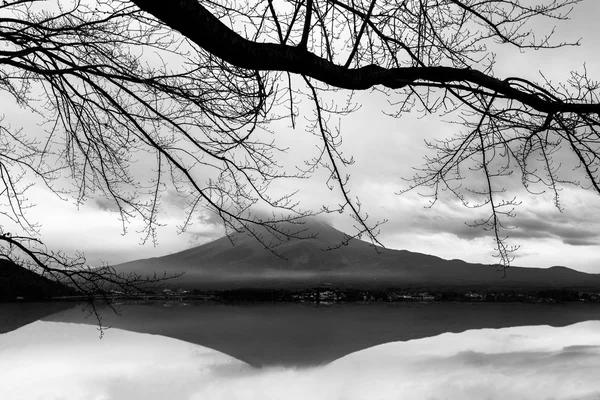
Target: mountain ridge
(305,263)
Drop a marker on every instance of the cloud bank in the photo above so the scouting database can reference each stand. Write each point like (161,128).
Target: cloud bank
(49,360)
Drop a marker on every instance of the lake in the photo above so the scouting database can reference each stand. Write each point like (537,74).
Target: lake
(308,334)
(310,350)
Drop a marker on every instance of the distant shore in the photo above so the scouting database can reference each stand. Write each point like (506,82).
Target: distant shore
(329,295)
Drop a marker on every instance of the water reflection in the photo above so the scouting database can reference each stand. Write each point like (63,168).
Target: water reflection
(16,314)
(49,360)
(266,335)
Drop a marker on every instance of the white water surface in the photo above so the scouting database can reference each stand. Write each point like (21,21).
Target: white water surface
(52,361)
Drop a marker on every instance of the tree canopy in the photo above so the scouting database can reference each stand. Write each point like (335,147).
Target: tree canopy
(192,87)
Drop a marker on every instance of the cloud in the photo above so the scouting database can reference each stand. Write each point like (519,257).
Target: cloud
(206,227)
(105,204)
(569,227)
(208,217)
(171,198)
(582,242)
(536,217)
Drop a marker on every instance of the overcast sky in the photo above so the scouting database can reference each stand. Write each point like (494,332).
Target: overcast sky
(385,149)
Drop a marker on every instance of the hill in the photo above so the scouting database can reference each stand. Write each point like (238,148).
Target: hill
(18,282)
(305,263)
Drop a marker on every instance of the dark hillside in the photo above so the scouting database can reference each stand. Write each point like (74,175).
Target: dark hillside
(17,282)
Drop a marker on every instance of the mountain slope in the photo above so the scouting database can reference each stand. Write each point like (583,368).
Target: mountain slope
(305,263)
(16,281)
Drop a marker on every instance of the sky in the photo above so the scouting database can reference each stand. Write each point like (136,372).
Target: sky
(60,360)
(385,150)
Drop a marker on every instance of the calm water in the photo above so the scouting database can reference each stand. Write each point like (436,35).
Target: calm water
(51,359)
(303,335)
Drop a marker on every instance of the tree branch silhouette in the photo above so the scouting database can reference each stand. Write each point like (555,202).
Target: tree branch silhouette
(193,87)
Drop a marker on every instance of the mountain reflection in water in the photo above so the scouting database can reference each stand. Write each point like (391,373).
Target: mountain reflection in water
(53,360)
(304,334)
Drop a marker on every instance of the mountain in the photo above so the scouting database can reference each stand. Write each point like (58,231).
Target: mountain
(305,263)
(18,282)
